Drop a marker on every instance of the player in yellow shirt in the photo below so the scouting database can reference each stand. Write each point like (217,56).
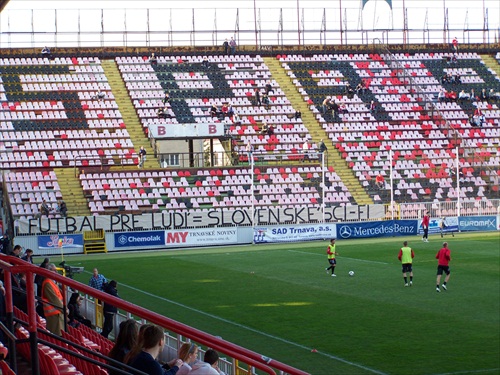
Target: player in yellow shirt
(406,256)
(330,251)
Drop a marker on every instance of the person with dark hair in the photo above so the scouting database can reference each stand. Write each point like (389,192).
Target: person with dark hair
(444,257)
(28,256)
(74,315)
(16,251)
(46,52)
(425,226)
(331,253)
(208,366)
(151,344)
(125,341)
(406,256)
(109,310)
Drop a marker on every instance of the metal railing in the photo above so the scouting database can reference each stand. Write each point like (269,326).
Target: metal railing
(12,265)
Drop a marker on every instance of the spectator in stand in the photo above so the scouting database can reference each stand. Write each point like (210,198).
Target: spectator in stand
(150,346)
(53,304)
(62,208)
(214,110)
(463,95)
(142,157)
(109,310)
(380,181)
(230,111)
(100,95)
(256,97)
(152,59)
(297,115)
(249,150)
(44,208)
(373,107)
(16,251)
(266,101)
(209,365)
(225,109)
(326,104)
(205,62)
(28,256)
(264,129)
(75,317)
(349,91)
(343,108)
(232,46)
(46,52)
(479,117)
(270,130)
(473,96)
(125,341)
(188,353)
(39,280)
(97,280)
(306,146)
(166,99)
(361,88)
(268,88)
(454,45)
(442,95)
(225,47)
(483,96)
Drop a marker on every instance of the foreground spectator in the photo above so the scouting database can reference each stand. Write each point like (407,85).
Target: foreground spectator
(209,366)
(188,352)
(74,315)
(125,341)
(109,310)
(150,346)
(97,280)
(53,304)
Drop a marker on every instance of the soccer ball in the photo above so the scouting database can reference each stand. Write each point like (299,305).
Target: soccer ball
(351,273)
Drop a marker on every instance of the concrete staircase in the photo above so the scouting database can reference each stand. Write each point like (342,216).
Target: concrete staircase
(491,63)
(72,192)
(316,131)
(127,110)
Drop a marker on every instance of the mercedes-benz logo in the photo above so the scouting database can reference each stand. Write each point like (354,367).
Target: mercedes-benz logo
(122,240)
(345,232)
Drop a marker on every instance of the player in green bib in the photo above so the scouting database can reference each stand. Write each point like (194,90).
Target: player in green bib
(406,256)
(331,253)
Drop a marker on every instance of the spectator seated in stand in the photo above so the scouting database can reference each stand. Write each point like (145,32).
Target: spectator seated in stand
(62,208)
(74,315)
(162,113)
(463,95)
(208,366)
(45,208)
(380,181)
(349,91)
(361,88)
(99,95)
(152,59)
(125,342)
(205,62)
(265,101)
(214,111)
(46,52)
(297,115)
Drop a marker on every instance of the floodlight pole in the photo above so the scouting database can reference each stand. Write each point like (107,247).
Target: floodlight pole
(323,187)
(392,187)
(458,183)
(252,195)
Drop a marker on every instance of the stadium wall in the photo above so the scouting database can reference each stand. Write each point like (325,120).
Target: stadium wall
(135,240)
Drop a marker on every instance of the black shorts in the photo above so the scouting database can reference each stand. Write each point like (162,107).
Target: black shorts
(332,262)
(407,267)
(445,269)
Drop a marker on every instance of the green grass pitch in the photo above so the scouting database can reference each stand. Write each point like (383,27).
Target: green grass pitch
(277,300)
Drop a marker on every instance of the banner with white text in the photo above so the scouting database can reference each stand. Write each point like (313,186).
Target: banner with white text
(291,233)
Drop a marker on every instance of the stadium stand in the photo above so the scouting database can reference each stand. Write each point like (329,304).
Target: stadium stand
(53,119)
(423,150)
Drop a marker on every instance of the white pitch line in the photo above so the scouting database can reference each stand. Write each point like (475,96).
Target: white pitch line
(470,372)
(342,257)
(255,331)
